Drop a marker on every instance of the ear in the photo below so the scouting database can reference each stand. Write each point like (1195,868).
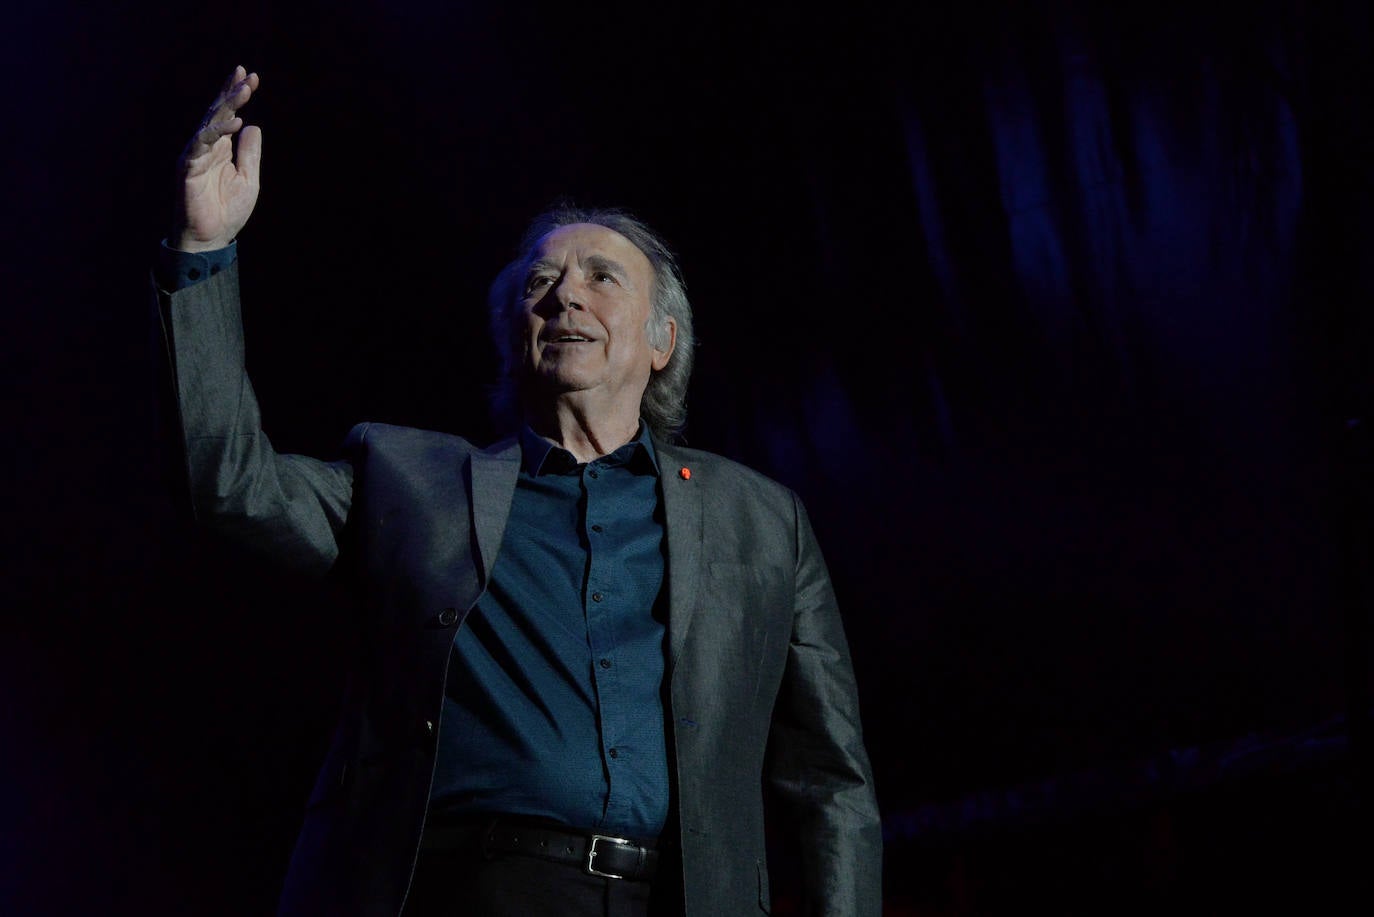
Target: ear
(661,357)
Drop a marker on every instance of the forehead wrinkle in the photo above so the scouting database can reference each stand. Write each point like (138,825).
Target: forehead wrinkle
(541,264)
(593,261)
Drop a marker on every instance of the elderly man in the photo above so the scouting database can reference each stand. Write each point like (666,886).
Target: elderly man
(590,652)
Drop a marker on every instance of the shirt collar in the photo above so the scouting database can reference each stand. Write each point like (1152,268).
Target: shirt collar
(539,456)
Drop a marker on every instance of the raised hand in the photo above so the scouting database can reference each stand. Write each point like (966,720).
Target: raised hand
(217,193)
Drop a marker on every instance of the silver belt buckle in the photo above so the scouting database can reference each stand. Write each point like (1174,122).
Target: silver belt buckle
(591,853)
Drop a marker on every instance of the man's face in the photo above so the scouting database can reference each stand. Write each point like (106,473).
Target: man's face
(586,300)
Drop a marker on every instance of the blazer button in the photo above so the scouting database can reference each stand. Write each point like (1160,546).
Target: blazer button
(448,617)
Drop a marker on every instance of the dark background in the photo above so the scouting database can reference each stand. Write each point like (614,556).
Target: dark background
(1057,318)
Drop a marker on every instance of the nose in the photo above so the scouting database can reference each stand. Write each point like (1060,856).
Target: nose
(563,297)
(567,295)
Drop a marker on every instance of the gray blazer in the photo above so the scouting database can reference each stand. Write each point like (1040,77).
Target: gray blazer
(761,685)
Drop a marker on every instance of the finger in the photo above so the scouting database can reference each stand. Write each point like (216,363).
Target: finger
(205,147)
(232,97)
(222,119)
(210,134)
(228,103)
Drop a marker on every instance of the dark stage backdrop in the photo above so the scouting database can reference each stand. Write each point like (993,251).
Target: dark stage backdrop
(1057,318)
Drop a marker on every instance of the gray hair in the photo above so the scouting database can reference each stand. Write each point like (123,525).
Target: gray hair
(664,405)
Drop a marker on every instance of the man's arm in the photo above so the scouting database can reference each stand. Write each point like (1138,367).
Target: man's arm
(289,507)
(819,764)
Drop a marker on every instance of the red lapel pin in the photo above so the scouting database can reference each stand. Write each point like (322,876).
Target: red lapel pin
(685,473)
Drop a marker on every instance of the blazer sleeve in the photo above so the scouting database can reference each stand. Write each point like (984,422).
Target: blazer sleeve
(819,765)
(289,507)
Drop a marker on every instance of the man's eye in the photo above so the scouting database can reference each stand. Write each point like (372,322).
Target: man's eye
(603,277)
(537,283)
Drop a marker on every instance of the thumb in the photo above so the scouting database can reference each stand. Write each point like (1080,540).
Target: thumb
(250,154)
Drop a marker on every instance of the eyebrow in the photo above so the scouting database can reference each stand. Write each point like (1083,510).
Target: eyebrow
(602,263)
(590,263)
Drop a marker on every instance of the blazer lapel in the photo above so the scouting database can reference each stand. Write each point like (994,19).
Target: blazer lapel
(682,509)
(494,472)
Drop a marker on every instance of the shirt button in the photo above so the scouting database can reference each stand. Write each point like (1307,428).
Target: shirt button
(596,528)
(596,596)
(593,473)
(614,753)
(605,663)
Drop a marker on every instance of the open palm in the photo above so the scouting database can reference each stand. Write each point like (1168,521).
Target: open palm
(218,193)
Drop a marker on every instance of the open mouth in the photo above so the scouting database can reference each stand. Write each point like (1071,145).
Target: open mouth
(568,339)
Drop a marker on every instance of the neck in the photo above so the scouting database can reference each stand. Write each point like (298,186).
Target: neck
(587,431)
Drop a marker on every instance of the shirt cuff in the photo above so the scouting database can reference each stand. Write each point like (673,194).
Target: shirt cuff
(176,270)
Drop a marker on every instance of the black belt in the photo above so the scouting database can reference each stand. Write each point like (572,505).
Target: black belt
(596,854)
